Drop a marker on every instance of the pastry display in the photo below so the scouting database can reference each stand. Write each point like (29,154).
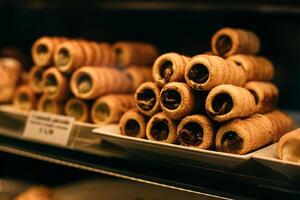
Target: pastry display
(46,104)
(288,146)
(133,124)
(220,100)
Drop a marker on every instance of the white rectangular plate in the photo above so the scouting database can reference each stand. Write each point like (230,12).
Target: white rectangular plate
(267,156)
(147,149)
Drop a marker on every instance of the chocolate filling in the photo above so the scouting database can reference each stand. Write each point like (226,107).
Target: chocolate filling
(48,106)
(222,104)
(191,134)
(159,129)
(84,83)
(42,49)
(171,99)
(38,77)
(102,111)
(231,142)
(198,73)
(63,57)
(76,110)
(255,96)
(224,44)
(132,128)
(51,84)
(166,71)
(146,99)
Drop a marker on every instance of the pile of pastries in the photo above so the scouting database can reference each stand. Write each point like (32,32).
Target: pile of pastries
(88,80)
(221,100)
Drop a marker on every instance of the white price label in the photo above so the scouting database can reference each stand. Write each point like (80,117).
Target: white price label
(48,127)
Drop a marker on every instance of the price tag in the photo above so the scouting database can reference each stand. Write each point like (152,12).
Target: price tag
(48,127)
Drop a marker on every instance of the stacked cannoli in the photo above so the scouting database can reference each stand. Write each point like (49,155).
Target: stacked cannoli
(221,100)
(90,81)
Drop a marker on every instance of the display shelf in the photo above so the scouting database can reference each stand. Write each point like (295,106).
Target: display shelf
(109,159)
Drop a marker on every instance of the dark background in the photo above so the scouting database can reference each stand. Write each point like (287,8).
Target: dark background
(181,26)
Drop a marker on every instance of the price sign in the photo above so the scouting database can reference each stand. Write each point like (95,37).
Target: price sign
(48,127)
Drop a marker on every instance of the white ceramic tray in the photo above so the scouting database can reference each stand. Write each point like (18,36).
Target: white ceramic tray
(147,149)
(267,156)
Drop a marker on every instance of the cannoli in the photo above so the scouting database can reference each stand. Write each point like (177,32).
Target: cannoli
(133,124)
(55,84)
(241,136)
(177,100)
(169,67)
(196,131)
(36,79)
(229,41)
(108,55)
(78,109)
(161,128)
(43,50)
(226,102)
(256,68)
(281,124)
(138,75)
(265,95)
(24,98)
(147,98)
(110,108)
(92,82)
(134,53)
(69,56)
(48,105)
(288,147)
(205,72)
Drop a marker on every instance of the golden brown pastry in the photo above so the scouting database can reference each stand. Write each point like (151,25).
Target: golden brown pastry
(256,68)
(108,55)
(110,108)
(161,128)
(133,124)
(177,100)
(37,193)
(48,105)
(92,82)
(69,55)
(43,49)
(229,41)
(288,147)
(196,131)
(138,75)
(147,98)
(78,109)
(226,102)
(281,123)
(10,73)
(134,53)
(55,84)
(169,67)
(265,95)
(205,72)
(241,136)
(24,98)
(36,79)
